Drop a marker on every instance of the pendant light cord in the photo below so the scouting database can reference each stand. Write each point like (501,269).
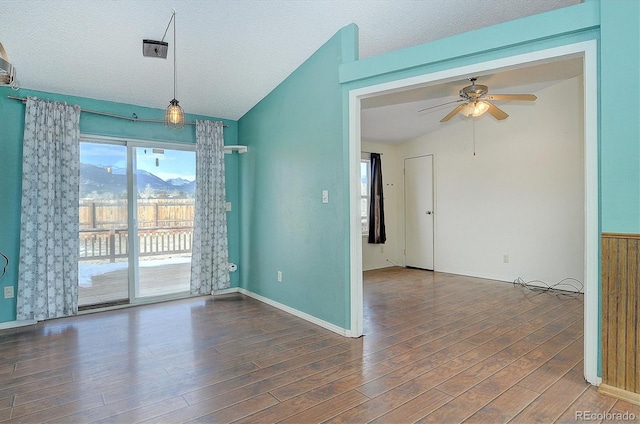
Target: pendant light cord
(175,73)
(169,24)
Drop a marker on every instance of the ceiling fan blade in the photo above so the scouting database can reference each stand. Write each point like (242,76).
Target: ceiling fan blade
(453,113)
(441,104)
(527,97)
(496,112)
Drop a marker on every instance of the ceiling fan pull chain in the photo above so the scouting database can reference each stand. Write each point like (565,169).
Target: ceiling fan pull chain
(474,137)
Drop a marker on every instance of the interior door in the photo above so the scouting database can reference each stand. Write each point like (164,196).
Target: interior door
(419,212)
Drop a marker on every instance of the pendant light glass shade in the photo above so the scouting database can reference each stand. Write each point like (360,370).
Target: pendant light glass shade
(174,115)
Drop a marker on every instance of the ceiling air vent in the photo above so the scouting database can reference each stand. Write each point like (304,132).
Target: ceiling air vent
(152,48)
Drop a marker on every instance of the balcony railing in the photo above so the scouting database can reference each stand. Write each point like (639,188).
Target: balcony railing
(99,244)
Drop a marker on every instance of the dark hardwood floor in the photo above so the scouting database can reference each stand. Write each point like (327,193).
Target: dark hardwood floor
(438,348)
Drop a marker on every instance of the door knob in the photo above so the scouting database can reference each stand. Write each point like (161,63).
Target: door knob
(428,212)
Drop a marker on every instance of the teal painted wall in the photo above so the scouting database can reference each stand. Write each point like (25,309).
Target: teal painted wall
(297,150)
(620,116)
(11,133)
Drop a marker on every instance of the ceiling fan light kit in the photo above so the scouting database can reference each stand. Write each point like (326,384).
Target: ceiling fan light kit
(475,109)
(477,102)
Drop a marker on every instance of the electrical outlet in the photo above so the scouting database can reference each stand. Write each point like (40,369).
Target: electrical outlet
(8,292)
(325,196)
(505,259)
(279,276)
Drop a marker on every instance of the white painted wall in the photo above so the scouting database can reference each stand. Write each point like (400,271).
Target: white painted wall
(374,256)
(521,194)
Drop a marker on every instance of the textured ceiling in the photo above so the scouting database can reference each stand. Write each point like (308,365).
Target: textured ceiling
(230,53)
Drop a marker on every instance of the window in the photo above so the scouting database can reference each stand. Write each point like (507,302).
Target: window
(365,178)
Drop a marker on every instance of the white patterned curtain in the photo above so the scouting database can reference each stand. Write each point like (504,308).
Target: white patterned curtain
(210,252)
(48,266)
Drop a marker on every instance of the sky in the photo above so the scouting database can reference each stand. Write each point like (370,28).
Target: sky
(171,163)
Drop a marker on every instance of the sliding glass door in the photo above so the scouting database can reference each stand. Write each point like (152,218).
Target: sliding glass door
(136,221)
(165,181)
(104,244)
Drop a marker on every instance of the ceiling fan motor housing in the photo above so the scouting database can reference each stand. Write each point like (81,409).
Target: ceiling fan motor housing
(474,91)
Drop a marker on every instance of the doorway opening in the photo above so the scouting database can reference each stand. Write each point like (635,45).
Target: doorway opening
(585,50)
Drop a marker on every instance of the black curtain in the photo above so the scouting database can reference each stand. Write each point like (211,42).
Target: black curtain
(377,234)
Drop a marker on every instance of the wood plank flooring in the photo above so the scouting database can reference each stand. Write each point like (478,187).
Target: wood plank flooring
(438,348)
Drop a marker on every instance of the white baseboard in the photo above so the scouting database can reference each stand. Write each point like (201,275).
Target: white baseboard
(15,324)
(225,291)
(484,276)
(299,314)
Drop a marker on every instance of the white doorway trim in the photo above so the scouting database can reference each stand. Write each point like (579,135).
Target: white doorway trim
(587,50)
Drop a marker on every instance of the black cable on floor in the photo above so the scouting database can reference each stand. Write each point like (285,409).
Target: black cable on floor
(543,287)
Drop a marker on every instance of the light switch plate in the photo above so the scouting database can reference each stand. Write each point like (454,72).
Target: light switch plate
(228,206)
(8,292)
(325,196)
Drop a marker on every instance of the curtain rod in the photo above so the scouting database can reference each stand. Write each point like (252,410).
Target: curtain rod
(368,153)
(129,118)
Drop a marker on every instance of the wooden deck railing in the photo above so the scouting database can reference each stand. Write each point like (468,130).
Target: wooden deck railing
(98,244)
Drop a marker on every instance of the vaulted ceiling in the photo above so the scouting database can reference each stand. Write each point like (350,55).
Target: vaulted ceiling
(230,53)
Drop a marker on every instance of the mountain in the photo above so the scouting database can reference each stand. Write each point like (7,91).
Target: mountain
(113,183)
(100,180)
(190,187)
(178,181)
(144,178)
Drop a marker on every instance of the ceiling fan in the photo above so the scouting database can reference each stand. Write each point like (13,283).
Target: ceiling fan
(477,101)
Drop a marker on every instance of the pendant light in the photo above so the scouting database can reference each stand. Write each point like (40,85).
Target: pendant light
(174,114)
